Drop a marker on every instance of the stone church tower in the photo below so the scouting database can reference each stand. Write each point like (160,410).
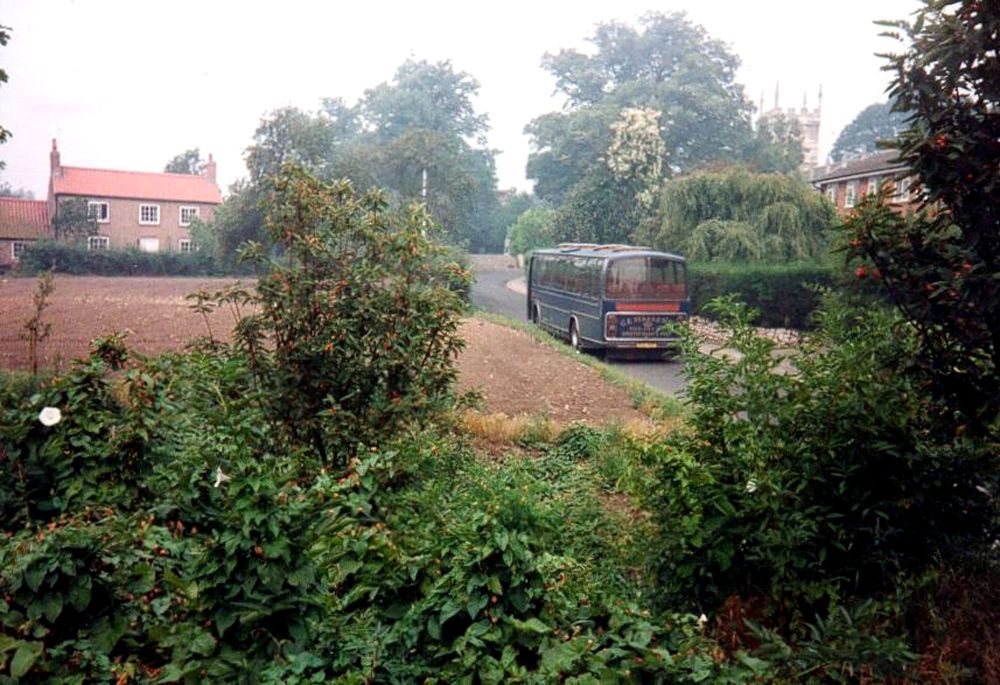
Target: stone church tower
(809,120)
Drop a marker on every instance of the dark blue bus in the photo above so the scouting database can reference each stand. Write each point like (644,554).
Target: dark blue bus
(608,296)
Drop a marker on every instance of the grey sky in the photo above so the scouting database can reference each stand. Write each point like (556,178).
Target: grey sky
(129,84)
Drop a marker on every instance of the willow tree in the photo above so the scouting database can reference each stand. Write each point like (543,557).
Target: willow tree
(737,215)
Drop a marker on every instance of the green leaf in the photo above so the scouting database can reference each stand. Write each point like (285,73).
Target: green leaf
(476,603)
(532,625)
(79,594)
(33,577)
(52,606)
(24,658)
(203,644)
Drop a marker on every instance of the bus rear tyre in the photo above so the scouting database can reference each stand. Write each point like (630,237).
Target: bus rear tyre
(574,336)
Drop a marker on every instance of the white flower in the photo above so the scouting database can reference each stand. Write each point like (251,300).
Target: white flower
(50,416)
(702,621)
(220,477)
(751,485)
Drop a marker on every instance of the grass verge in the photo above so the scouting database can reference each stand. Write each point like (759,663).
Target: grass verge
(651,402)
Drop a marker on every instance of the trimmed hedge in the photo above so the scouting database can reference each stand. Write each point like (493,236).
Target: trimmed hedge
(76,259)
(784,294)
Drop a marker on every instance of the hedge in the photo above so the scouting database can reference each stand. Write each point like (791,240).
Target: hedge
(76,259)
(784,294)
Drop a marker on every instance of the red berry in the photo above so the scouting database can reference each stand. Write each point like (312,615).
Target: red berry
(861,271)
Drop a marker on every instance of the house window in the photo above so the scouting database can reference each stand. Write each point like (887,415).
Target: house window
(149,244)
(99,211)
(188,214)
(97,242)
(872,186)
(902,190)
(149,214)
(851,195)
(185,246)
(16,248)
(831,193)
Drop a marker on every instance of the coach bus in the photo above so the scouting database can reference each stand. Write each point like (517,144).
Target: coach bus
(608,296)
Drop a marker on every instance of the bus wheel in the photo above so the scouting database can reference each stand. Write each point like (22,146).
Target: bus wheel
(574,336)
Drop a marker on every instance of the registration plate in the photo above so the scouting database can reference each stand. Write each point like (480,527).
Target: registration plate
(646,346)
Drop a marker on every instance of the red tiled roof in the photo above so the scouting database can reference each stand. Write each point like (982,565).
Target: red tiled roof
(23,218)
(137,185)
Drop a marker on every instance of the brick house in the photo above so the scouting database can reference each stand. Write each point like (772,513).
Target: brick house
(845,183)
(148,211)
(22,222)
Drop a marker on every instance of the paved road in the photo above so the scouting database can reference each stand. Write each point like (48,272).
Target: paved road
(490,293)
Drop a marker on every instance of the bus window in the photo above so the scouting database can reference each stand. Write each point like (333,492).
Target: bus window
(645,278)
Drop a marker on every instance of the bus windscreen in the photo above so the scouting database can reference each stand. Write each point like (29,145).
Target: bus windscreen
(645,278)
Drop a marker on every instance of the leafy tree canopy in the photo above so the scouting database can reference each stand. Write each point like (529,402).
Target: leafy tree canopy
(942,267)
(187,162)
(425,96)
(738,215)
(668,65)
(73,219)
(874,123)
(4,37)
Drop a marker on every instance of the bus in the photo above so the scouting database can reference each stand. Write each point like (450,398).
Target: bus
(601,297)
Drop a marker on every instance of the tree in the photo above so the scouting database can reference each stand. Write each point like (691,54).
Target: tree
(7,190)
(942,266)
(876,122)
(4,37)
(777,145)
(289,135)
(187,162)
(73,219)
(427,144)
(739,215)
(670,70)
(535,228)
(670,66)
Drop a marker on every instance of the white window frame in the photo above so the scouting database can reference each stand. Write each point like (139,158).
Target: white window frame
(831,193)
(902,193)
(149,242)
(185,246)
(851,194)
(872,186)
(92,204)
(190,208)
(150,222)
(98,242)
(16,248)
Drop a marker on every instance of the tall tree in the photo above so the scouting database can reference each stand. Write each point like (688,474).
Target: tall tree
(668,67)
(187,162)
(289,135)
(737,215)
(776,145)
(876,122)
(4,37)
(942,267)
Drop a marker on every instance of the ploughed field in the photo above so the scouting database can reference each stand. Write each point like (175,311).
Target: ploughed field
(516,374)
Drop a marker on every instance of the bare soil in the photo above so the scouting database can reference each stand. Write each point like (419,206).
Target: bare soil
(516,374)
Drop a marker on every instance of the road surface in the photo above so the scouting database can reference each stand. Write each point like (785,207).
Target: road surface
(490,292)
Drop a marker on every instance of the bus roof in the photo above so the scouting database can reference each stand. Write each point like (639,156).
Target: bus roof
(606,251)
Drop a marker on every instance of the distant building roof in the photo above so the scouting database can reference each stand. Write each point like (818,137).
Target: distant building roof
(877,162)
(23,219)
(139,185)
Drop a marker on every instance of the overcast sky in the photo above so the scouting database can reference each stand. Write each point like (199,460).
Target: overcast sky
(129,84)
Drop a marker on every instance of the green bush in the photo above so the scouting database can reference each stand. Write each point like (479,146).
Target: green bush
(784,295)
(816,483)
(72,258)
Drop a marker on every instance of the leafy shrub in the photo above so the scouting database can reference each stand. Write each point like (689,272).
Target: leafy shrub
(816,482)
(352,333)
(783,295)
(72,258)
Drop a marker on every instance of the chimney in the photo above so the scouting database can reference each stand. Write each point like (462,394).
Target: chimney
(210,168)
(55,167)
